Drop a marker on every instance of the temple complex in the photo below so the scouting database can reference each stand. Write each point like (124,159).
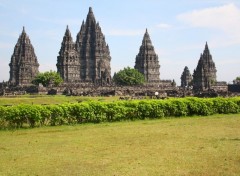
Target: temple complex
(24,64)
(186,78)
(85,68)
(147,61)
(87,60)
(204,76)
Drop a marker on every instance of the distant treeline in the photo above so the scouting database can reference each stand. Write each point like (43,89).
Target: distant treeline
(95,112)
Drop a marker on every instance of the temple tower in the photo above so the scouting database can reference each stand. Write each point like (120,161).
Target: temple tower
(186,77)
(68,64)
(204,75)
(93,52)
(147,61)
(24,64)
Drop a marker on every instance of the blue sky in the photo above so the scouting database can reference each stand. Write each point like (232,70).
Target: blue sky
(178,29)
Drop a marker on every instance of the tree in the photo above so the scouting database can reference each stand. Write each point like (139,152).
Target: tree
(128,77)
(47,78)
(237,80)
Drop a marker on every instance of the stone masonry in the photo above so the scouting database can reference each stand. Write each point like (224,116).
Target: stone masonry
(147,61)
(68,64)
(24,64)
(204,76)
(89,59)
(85,67)
(186,78)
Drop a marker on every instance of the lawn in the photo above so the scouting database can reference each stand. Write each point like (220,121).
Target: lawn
(48,99)
(180,146)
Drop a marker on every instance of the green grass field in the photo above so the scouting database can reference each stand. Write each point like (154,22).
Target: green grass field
(48,99)
(180,146)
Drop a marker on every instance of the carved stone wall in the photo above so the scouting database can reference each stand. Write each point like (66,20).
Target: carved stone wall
(147,61)
(186,77)
(24,64)
(68,64)
(90,56)
(204,76)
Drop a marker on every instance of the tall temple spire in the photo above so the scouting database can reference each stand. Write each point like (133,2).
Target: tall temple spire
(90,10)
(206,50)
(206,46)
(90,17)
(94,54)
(24,64)
(146,39)
(68,65)
(204,75)
(68,35)
(23,31)
(68,41)
(147,61)
(146,32)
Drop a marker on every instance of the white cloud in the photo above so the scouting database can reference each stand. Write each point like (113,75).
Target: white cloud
(164,26)
(224,18)
(220,17)
(124,32)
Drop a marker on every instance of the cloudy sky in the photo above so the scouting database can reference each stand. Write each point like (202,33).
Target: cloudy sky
(178,29)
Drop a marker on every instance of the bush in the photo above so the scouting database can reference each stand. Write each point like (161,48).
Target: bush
(116,111)
(157,109)
(56,115)
(96,112)
(30,114)
(225,106)
(199,106)
(82,112)
(13,117)
(3,121)
(99,112)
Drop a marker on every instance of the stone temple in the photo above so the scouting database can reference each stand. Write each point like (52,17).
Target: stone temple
(147,61)
(84,65)
(24,64)
(204,76)
(186,78)
(68,63)
(88,59)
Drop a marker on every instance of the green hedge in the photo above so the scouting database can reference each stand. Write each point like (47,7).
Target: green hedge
(95,112)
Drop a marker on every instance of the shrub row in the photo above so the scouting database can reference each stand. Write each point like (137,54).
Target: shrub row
(95,112)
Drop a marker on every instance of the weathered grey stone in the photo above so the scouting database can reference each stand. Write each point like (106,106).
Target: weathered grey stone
(68,64)
(90,56)
(186,78)
(94,52)
(147,61)
(204,76)
(24,64)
